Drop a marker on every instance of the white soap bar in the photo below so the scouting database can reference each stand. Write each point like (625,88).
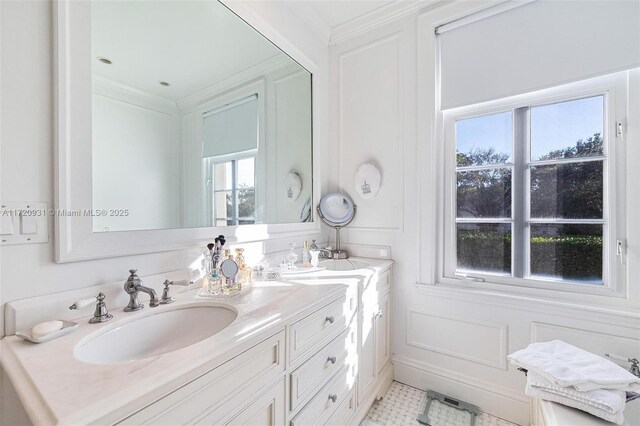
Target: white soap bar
(45,328)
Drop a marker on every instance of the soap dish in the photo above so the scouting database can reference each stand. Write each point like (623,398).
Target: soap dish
(67,327)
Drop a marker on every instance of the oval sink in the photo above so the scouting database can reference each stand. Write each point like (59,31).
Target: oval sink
(154,334)
(343,264)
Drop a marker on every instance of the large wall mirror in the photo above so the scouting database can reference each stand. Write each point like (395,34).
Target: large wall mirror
(188,117)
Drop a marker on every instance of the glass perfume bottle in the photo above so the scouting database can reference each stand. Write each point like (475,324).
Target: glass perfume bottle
(292,257)
(306,256)
(214,282)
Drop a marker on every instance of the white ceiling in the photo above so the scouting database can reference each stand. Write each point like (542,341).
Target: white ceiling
(189,44)
(338,12)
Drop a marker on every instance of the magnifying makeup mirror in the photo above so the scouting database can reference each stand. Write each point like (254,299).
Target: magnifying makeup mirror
(337,210)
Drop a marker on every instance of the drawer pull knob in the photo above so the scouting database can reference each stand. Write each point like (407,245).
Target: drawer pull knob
(331,359)
(333,397)
(331,319)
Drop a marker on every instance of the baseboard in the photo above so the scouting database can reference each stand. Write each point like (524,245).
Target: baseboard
(495,400)
(384,383)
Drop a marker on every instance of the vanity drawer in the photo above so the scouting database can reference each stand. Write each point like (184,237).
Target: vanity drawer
(321,407)
(268,409)
(345,410)
(318,369)
(257,366)
(321,326)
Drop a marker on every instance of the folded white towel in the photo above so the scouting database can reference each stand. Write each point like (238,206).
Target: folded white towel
(585,402)
(567,365)
(606,404)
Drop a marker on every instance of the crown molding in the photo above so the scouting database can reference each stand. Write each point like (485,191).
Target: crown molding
(378,17)
(310,17)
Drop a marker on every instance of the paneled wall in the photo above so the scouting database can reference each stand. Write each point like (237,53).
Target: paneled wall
(448,338)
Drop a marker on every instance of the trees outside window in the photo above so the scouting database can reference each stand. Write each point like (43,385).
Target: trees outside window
(529,200)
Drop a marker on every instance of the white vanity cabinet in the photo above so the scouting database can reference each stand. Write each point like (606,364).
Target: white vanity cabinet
(311,354)
(374,339)
(321,354)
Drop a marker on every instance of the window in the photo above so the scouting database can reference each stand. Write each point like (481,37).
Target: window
(230,147)
(234,194)
(531,191)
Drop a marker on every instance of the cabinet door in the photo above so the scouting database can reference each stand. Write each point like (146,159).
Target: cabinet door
(367,367)
(382,331)
(268,410)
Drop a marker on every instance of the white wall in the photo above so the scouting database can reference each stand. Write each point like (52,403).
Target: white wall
(447,338)
(136,152)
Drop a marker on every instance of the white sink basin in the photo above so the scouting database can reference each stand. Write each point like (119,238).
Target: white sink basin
(344,264)
(155,334)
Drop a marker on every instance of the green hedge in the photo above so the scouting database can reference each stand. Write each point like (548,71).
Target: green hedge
(576,257)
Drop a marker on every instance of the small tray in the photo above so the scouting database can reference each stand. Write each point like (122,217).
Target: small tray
(67,327)
(204,293)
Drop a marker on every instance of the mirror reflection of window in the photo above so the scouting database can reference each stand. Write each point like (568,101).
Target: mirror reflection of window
(234,193)
(229,149)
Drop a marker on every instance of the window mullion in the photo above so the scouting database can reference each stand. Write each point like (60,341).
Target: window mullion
(519,191)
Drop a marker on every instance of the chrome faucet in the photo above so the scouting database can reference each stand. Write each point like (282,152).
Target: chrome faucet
(133,286)
(325,253)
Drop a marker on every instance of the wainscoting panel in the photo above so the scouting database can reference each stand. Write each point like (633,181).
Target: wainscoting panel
(473,340)
(370,115)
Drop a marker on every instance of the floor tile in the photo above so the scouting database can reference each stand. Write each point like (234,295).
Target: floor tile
(401,405)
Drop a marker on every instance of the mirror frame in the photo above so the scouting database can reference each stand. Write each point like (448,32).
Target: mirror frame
(75,239)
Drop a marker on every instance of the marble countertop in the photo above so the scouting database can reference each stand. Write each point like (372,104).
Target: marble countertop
(56,388)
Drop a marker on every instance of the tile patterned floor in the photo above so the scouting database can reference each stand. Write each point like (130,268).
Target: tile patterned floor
(401,404)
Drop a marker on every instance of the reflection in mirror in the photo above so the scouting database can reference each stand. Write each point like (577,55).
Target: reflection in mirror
(197,119)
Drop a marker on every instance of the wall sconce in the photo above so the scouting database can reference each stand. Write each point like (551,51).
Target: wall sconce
(367,181)
(293,186)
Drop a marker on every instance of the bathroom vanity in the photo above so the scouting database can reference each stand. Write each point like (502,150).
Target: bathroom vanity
(312,350)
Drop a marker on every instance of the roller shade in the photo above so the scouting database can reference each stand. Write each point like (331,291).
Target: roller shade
(537,45)
(231,129)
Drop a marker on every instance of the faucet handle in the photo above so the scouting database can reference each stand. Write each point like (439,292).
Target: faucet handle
(101,314)
(82,303)
(166,297)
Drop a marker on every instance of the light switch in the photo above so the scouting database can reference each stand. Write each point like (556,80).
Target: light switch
(6,224)
(28,225)
(23,222)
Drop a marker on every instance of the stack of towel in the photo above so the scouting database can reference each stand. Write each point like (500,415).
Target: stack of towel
(560,372)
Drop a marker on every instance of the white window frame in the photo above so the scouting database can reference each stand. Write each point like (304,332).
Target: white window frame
(210,163)
(614,90)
